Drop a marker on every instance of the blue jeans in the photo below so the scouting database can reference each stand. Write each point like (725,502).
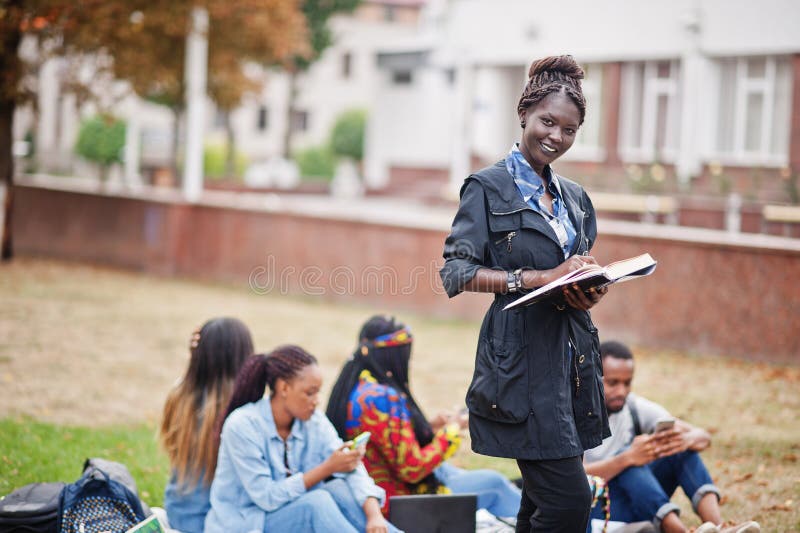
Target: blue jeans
(642,493)
(331,507)
(495,493)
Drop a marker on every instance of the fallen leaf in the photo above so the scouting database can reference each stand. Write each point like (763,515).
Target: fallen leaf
(743,477)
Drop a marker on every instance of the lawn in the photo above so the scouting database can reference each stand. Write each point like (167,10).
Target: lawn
(87,355)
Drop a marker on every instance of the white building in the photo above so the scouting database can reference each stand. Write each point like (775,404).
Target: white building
(685,83)
(695,85)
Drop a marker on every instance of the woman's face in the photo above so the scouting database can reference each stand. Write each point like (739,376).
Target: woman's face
(550,129)
(301,394)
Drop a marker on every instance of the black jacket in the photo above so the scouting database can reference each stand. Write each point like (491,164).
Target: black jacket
(528,398)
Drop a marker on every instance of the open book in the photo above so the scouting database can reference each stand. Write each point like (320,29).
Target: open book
(589,276)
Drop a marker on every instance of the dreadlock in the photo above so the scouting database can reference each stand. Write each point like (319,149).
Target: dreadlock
(551,75)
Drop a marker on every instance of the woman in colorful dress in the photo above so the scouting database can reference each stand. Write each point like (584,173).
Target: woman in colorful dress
(406,453)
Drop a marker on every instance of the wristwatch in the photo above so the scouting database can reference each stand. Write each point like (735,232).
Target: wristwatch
(511,281)
(514,280)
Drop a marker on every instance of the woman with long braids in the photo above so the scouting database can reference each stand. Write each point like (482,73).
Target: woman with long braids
(281,465)
(406,453)
(189,423)
(536,393)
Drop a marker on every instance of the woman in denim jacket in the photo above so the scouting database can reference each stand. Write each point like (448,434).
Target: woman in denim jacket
(189,423)
(281,465)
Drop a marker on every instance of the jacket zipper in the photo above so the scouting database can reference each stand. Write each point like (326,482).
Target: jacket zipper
(574,356)
(508,238)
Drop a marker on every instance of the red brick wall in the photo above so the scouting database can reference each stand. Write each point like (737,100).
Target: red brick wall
(735,300)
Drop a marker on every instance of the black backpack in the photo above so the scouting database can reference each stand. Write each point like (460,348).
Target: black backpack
(31,509)
(96,503)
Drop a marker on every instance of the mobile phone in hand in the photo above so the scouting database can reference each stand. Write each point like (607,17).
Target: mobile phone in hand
(361,439)
(664,424)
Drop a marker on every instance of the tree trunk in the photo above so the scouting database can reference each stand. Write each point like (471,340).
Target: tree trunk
(11,68)
(230,153)
(7,172)
(290,112)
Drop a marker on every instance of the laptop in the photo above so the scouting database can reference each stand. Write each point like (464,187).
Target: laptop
(434,513)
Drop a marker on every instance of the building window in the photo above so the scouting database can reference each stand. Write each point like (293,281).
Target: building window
(402,77)
(590,143)
(754,112)
(649,111)
(299,120)
(347,65)
(263,119)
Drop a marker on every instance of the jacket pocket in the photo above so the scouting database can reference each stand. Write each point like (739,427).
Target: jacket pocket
(499,388)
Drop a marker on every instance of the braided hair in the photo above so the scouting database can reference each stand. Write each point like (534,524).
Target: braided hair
(262,370)
(550,75)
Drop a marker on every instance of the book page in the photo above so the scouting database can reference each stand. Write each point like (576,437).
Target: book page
(626,267)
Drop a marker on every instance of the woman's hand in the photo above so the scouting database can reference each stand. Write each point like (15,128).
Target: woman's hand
(344,459)
(377,524)
(570,265)
(375,521)
(584,301)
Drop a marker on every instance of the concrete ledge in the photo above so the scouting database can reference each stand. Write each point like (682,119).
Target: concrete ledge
(633,203)
(782,213)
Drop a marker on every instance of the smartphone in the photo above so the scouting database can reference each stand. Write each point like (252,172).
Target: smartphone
(361,439)
(664,424)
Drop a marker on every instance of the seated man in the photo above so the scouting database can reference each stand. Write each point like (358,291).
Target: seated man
(643,467)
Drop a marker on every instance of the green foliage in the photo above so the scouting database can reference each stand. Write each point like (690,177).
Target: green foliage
(347,136)
(316,162)
(317,13)
(214,162)
(101,140)
(33,451)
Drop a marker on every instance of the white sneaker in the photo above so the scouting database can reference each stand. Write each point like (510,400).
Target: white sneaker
(746,527)
(708,527)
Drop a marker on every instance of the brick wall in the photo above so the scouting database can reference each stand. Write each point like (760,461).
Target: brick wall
(712,293)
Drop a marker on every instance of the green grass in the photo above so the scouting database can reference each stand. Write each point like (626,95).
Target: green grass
(33,451)
(88,354)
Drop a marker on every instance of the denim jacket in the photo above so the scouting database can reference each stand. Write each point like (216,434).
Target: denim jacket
(186,506)
(251,477)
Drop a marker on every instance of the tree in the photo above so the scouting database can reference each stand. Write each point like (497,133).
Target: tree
(347,136)
(101,140)
(142,42)
(317,14)
(20,18)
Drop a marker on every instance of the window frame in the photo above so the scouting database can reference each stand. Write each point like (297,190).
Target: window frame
(648,89)
(767,88)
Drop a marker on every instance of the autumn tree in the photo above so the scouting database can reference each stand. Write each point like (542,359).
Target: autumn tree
(142,42)
(317,14)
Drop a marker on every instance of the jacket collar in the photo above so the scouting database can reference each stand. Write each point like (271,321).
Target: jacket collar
(265,408)
(504,198)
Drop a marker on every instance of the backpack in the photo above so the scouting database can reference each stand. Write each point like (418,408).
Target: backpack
(31,509)
(98,504)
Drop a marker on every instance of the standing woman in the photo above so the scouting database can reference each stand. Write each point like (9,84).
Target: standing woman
(189,423)
(536,393)
(281,465)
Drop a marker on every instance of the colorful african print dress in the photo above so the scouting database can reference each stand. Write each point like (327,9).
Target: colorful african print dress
(394,458)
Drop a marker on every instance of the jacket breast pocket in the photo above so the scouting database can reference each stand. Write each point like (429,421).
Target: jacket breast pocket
(499,388)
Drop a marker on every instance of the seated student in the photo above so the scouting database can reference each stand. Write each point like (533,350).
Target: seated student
(281,465)
(406,453)
(189,423)
(643,468)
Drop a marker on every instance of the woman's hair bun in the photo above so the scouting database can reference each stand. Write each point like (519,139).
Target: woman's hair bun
(564,65)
